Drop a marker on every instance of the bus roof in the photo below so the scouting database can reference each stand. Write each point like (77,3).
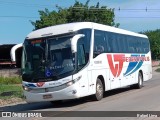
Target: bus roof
(71,27)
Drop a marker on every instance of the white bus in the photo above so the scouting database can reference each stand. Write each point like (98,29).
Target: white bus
(74,60)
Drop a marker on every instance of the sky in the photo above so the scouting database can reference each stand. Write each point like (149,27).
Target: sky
(15,15)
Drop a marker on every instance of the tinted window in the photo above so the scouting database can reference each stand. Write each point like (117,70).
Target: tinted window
(83,48)
(114,42)
(99,42)
(119,43)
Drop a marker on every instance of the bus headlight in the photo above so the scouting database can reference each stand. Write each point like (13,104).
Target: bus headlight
(73,81)
(26,88)
(69,83)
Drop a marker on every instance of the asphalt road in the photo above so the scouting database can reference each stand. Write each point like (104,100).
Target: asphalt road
(124,99)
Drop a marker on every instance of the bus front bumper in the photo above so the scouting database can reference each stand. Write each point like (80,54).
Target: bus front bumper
(70,92)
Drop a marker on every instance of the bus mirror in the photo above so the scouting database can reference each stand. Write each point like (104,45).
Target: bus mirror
(74,41)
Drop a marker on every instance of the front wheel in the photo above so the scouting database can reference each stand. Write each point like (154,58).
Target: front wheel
(59,102)
(99,90)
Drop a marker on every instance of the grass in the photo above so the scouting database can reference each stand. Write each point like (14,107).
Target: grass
(10,87)
(10,91)
(10,80)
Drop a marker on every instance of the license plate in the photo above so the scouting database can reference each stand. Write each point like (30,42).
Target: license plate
(48,96)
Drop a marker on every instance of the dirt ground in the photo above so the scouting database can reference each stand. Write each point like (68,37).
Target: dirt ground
(10,101)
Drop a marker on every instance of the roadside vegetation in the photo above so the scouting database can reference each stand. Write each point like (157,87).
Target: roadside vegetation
(158,69)
(154,38)
(10,80)
(78,12)
(10,91)
(10,88)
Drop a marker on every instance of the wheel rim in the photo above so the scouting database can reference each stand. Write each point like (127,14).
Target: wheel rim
(99,90)
(140,81)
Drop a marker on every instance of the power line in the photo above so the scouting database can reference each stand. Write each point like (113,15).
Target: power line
(153,17)
(24,4)
(115,9)
(17,17)
(80,8)
(84,8)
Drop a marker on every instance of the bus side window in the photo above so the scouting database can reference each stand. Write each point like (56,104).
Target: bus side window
(86,42)
(132,45)
(113,43)
(137,45)
(146,45)
(99,43)
(125,43)
(81,53)
(108,42)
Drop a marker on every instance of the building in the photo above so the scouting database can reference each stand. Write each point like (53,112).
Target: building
(10,55)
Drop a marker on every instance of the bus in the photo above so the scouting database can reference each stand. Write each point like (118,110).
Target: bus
(75,60)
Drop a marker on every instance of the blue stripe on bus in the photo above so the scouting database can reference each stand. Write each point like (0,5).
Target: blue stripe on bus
(133,66)
(138,66)
(30,85)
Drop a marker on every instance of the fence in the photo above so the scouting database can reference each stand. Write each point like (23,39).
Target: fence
(155,63)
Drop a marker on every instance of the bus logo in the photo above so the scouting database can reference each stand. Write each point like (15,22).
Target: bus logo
(116,63)
(40,84)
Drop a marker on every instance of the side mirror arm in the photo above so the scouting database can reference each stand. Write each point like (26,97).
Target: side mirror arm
(74,41)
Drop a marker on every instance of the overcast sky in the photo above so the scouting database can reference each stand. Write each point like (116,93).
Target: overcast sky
(15,15)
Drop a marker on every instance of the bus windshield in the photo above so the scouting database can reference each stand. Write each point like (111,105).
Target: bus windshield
(47,59)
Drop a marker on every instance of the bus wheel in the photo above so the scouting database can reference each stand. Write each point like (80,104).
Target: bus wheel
(99,90)
(140,81)
(58,102)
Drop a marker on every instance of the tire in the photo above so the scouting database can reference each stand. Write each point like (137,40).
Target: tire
(99,90)
(139,85)
(59,102)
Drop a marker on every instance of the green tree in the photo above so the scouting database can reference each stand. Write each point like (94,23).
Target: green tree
(79,12)
(154,37)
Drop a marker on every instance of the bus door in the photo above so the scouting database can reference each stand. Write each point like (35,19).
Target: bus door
(114,81)
(83,71)
(115,69)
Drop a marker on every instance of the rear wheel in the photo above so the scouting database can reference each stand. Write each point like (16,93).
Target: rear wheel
(140,81)
(99,90)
